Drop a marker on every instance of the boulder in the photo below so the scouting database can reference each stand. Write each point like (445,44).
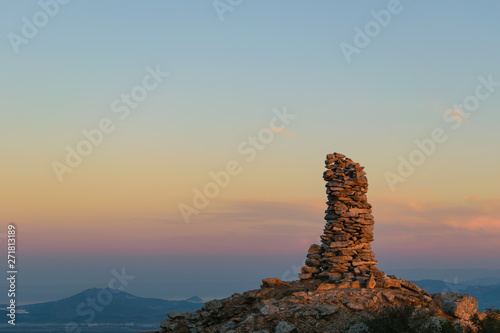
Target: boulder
(386,282)
(458,305)
(271,282)
(410,286)
(213,305)
(326,309)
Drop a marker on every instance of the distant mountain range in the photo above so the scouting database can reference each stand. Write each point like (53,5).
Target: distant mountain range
(103,306)
(487,290)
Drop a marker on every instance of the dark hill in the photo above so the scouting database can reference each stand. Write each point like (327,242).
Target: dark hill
(103,306)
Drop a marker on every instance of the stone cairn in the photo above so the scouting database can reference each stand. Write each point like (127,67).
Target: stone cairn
(345,254)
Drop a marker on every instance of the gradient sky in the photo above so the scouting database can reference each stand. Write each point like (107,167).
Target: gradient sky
(120,206)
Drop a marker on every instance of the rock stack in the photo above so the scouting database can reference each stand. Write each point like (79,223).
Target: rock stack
(340,287)
(345,254)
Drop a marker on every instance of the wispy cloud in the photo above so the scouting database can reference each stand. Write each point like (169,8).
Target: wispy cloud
(470,214)
(457,114)
(462,234)
(280,131)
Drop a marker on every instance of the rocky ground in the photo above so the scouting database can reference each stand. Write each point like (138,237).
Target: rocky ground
(316,306)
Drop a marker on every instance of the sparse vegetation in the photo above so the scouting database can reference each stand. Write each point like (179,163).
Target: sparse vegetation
(405,318)
(410,319)
(493,310)
(490,324)
(452,327)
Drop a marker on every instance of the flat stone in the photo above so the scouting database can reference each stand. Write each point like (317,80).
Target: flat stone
(344,285)
(340,244)
(269,309)
(370,283)
(410,286)
(355,306)
(389,283)
(355,284)
(313,263)
(326,286)
(316,256)
(314,248)
(347,252)
(340,206)
(177,315)
(339,259)
(308,269)
(299,294)
(340,238)
(359,263)
(331,157)
(271,282)
(334,276)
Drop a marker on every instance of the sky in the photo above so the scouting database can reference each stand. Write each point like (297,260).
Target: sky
(184,142)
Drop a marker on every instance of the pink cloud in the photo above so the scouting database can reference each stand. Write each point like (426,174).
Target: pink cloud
(470,214)
(464,233)
(407,231)
(479,223)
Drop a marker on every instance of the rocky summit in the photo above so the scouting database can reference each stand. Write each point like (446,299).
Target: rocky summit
(339,287)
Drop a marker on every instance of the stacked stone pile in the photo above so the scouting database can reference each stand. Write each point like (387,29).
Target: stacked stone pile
(340,286)
(345,254)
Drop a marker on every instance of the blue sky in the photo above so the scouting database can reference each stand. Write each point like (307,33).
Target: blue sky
(226,77)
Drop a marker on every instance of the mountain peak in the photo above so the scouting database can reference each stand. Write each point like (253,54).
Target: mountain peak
(116,306)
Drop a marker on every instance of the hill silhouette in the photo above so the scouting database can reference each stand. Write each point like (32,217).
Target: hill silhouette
(97,305)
